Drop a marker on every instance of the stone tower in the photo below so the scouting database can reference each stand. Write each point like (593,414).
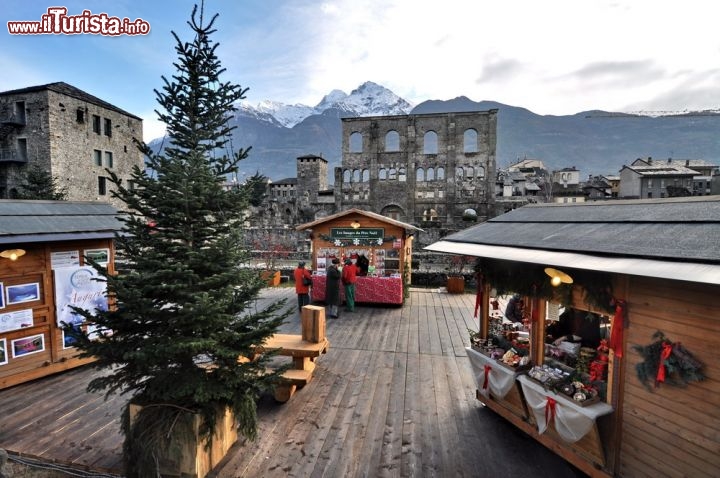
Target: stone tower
(312,176)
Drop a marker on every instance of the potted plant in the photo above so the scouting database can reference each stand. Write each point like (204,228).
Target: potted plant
(455,278)
(271,251)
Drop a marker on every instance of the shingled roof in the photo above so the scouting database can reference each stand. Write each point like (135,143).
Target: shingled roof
(50,221)
(658,237)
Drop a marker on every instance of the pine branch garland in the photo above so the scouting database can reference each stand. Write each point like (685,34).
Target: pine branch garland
(678,369)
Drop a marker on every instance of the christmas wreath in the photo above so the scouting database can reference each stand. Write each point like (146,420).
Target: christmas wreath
(667,362)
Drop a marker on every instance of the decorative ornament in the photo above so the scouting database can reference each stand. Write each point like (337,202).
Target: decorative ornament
(567,389)
(667,362)
(357,241)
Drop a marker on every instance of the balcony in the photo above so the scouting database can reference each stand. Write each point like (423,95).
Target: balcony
(14,120)
(11,156)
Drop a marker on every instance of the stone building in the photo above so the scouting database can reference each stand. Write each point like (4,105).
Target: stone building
(434,171)
(71,134)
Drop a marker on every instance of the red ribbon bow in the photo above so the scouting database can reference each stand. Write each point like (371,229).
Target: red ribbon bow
(487,374)
(550,410)
(664,355)
(617,328)
(479,294)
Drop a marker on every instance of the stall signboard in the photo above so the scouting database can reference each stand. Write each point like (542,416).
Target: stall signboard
(362,233)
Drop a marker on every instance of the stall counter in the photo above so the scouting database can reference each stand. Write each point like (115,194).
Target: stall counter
(375,290)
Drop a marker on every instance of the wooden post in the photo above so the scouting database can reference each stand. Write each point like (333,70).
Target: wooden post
(313,323)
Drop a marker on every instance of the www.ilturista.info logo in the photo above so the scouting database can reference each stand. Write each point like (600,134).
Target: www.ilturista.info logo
(57,22)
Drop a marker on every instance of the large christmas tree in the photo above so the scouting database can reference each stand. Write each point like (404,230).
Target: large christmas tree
(179,317)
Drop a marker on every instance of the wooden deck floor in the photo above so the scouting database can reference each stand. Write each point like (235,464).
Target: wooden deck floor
(394,396)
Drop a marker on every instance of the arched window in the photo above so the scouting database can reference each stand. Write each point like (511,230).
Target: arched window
(480,172)
(392,174)
(356,142)
(470,172)
(459,173)
(440,174)
(356,176)
(365,175)
(402,175)
(347,176)
(393,212)
(392,141)
(430,174)
(430,143)
(419,175)
(470,141)
(382,174)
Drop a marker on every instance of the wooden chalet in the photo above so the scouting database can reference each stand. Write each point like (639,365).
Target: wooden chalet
(43,272)
(384,244)
(649,272)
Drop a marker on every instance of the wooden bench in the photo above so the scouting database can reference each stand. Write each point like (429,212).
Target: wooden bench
(303,355)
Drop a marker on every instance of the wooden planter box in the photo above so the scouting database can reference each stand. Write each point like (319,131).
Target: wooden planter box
(456,285)
(271,278)
(190,457)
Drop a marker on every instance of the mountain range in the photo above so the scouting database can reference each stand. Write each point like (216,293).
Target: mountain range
(595,142)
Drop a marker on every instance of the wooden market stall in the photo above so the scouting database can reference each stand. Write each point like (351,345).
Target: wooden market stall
(43,246)
(615,365)
(384,245)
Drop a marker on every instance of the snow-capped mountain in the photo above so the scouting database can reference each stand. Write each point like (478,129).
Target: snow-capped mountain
(286,115)
(369,99)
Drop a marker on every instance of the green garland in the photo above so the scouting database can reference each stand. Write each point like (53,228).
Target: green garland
(681,367)
(530,280)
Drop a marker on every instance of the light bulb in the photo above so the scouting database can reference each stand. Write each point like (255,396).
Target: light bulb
(13,257)
(555,281)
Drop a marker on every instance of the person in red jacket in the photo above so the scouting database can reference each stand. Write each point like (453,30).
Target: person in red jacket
(349,277)
(303,280)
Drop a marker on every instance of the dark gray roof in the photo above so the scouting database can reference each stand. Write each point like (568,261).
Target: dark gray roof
(69,90)
(284,182)
(49,221)
(669,229)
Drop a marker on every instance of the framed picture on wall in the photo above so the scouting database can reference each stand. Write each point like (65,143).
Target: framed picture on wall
(3,352)
(68,339)
(2,296)
(17,294)
(28,345)
(101,256)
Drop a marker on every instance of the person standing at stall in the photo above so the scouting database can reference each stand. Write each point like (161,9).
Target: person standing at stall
(303,281)
(332,289)
(349,277)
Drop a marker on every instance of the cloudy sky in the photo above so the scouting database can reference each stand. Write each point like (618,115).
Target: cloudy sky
(553,57)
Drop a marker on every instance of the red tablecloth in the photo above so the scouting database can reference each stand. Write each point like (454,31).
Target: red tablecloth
(377,290)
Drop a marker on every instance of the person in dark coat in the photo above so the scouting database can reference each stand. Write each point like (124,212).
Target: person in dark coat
(332,289)
(514,310)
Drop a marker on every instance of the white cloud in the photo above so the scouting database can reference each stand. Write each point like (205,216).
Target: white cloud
(152,127)
(526,53)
